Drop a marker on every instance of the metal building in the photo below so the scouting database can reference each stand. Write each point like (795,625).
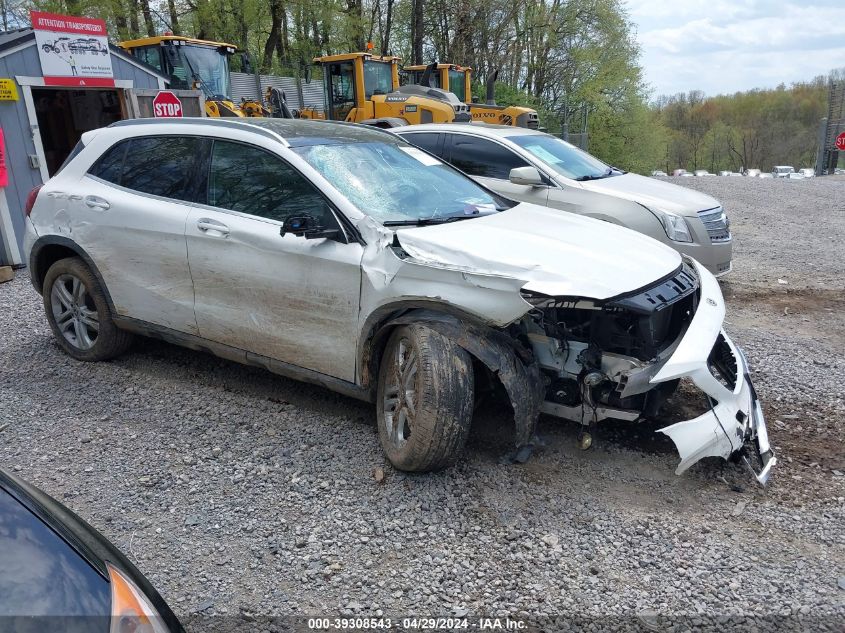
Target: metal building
(830,128)
(299,94)
(42,123)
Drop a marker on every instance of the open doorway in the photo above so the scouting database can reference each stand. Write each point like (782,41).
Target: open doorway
(64,114)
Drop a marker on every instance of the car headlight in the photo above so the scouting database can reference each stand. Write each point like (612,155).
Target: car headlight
(131,610)
(675,226)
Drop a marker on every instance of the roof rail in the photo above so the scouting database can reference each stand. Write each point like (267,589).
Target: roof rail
(210,122)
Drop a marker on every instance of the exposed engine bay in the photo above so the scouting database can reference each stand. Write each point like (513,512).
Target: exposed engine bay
(612,359)
(595,357)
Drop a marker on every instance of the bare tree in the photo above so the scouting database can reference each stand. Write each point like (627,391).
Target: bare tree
(388,23)
(274,42)
(174,17)
(417,13)
(148,18)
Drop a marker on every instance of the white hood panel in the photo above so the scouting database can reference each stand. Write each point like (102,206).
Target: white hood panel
(654,193)
(554,253)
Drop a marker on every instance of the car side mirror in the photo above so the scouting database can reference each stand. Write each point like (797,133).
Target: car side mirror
(307,226)
(528,176)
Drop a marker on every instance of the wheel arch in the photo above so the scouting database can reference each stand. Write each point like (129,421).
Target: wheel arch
(49,249)
(511,363)
(384,319)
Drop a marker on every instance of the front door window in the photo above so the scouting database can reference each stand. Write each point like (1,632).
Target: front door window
(341,90)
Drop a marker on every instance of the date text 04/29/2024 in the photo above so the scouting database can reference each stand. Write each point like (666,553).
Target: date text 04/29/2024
(416,624)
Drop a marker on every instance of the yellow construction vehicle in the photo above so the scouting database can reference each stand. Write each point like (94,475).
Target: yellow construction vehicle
(195,65)
(458,79)
(364,88)
(451,77)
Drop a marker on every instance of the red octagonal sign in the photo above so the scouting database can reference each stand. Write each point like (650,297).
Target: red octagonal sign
(167,105)
(840,142)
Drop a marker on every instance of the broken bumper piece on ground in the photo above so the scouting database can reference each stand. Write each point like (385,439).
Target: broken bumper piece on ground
(734,425)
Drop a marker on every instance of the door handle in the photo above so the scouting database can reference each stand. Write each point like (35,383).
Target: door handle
(206,224)
(96,202)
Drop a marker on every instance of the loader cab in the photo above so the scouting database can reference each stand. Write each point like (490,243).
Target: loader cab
(353,79)
(189,63)
(450,77)
(414,75)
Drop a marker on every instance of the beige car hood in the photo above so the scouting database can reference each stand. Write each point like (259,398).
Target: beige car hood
(653,193)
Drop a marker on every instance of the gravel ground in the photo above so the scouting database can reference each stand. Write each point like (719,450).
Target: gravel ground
(241,494)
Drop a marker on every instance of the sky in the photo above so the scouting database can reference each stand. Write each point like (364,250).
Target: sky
(724,46)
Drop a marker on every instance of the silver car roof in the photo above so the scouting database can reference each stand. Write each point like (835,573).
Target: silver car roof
(295,132)
(479,129)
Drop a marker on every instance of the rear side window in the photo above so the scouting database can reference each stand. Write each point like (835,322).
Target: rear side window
(110,164)
(157,165)
(162,166)
(429,142)
(250,180)
(76,149)
(483,158)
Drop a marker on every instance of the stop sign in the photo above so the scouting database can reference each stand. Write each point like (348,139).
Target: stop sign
(167,105)
(840,142)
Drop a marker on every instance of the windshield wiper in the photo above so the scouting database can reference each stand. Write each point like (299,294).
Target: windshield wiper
(429,221)
(608,172)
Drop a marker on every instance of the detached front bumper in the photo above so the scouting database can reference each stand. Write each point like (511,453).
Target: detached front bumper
(735,420)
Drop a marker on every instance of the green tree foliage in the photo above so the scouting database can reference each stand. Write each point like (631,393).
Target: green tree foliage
(574,61)
(559,55)
(756,129)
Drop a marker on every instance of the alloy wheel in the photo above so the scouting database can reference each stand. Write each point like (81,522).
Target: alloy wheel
(74,312)
(400,394)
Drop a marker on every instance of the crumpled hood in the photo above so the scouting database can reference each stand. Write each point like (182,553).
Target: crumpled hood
(554,253)
(653,193)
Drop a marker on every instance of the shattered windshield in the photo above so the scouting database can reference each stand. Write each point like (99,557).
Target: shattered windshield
(398,184)
(205,66)
(565,159)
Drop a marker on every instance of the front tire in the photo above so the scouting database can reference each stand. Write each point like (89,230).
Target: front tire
(78,313)
(425,399)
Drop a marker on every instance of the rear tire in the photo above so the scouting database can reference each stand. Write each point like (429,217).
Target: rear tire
(79,314)
(425,399)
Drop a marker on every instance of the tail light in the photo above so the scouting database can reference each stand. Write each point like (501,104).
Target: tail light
(30,200)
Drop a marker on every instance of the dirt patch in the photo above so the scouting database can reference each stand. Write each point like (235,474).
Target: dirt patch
(810,445)
(807,312)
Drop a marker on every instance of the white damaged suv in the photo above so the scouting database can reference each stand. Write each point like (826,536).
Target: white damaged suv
(343,256)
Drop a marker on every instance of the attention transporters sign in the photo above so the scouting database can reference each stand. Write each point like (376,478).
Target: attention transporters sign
(73,51)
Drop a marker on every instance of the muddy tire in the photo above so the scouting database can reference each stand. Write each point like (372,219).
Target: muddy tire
(425,399)
(79,314)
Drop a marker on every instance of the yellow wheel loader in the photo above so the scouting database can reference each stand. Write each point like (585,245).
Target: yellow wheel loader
(451,77)
(364,88)
(193,64)
(458,79)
